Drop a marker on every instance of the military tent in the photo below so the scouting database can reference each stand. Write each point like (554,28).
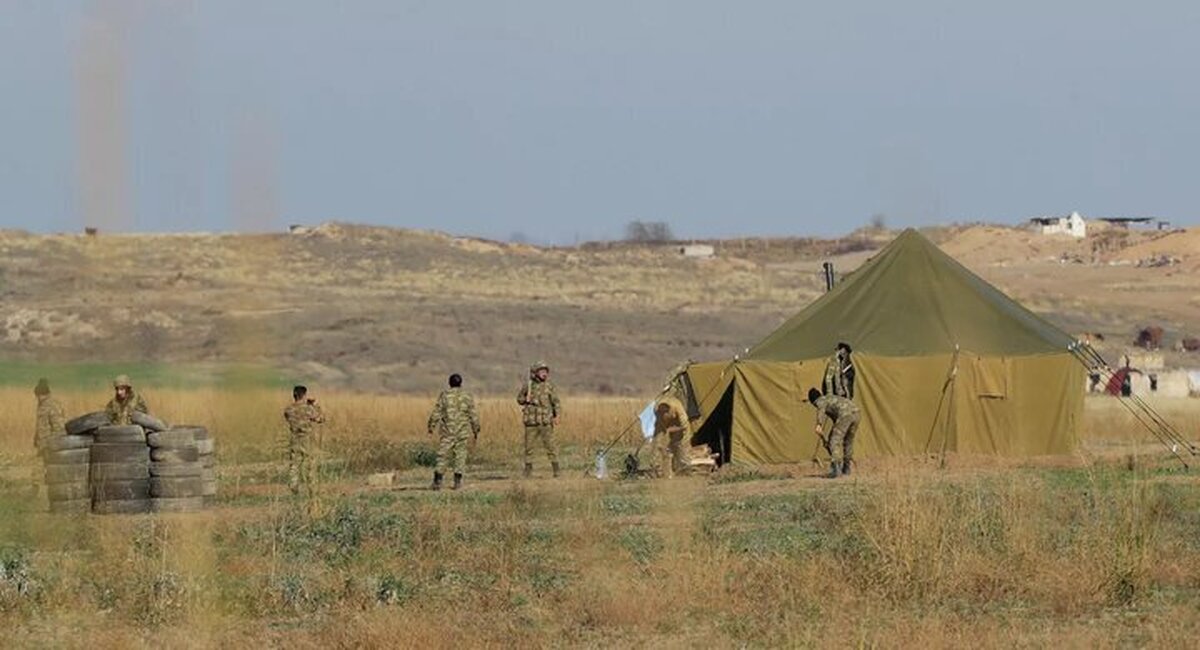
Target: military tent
(945,362)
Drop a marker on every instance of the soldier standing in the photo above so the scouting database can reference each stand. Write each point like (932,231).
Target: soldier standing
(845,416)
(302,416)
(125,401)
(839,373)
(453,419)
(540,410)
(670,427)
(51,417)
(51,422)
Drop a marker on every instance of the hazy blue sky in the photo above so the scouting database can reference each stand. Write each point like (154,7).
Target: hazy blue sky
(566,120)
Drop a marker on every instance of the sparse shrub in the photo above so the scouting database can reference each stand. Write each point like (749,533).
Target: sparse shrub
(391,590)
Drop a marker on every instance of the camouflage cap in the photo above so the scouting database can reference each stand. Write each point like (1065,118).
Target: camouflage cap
(538,366)
(122,380)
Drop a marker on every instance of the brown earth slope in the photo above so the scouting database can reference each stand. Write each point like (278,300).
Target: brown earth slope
(384,309)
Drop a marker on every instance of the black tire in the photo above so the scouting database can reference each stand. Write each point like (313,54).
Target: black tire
(64,443)
(121,490)
(67,457)
(208,474)
(179,504)
(121,507)
(73,491)
(72,507)
(87,424)
(176,488)
(120,471)
(171,439)
(205,446)
(107,453)
(72,473)
(148,422)
(175,470)
(208,488)
(123,434)
(208,461)
(174,455)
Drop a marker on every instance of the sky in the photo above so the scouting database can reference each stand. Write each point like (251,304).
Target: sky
(557,121)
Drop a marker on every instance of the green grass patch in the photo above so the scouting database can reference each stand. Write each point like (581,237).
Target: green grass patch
(99,375)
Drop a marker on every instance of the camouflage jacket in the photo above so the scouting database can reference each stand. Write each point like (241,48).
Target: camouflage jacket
(454,413)
(539,402)
(836,408)
(302,418)
(51,420)
(674,420)
(122,412)
(838,378)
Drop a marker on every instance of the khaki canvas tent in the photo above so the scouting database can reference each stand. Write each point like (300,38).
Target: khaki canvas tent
(945,362)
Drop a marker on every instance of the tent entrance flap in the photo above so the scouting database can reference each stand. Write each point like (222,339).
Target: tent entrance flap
(717,430)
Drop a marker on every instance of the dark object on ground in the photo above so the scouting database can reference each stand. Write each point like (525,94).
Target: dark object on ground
(1150,337)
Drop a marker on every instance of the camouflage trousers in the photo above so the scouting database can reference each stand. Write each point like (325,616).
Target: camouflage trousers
(543,433)
(841,438)
(667,451)
(452,450)
(301,470)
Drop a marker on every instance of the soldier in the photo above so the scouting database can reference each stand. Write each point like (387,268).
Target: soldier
(453,418)
(51,417)
(670,427)
(51,422)
(121,407)
(540,412)
(839,373)
(845,416)
(302,416)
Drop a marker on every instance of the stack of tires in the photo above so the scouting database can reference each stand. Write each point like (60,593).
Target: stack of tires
(120,470)
(208,465)
(176,472)
(65,459)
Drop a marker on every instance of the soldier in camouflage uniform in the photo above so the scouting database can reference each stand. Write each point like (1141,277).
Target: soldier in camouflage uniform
(51,417)
(670,428)
(839,373)
(302,416)
(121,407)
(540,410)
(51,422)
(845,416)
(454,419)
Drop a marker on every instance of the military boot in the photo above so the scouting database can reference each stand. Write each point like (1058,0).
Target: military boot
(835,469)
(528,470)
(554,469)
(846,467)
(437,481)
(457,481)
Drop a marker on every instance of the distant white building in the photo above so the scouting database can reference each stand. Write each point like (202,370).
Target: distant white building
(697,250)
(1072,224)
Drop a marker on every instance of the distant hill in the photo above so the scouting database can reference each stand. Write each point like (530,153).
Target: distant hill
(382,309)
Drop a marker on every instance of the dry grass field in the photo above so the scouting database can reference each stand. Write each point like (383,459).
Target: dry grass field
(1096,550)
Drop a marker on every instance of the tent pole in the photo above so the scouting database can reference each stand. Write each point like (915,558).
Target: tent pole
(1162,431)
(950,373)
(950,409)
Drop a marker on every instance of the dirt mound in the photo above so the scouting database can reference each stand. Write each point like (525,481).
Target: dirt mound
(1181,244)
(997,245)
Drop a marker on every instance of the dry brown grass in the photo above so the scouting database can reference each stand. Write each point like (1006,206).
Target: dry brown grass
(985,554)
